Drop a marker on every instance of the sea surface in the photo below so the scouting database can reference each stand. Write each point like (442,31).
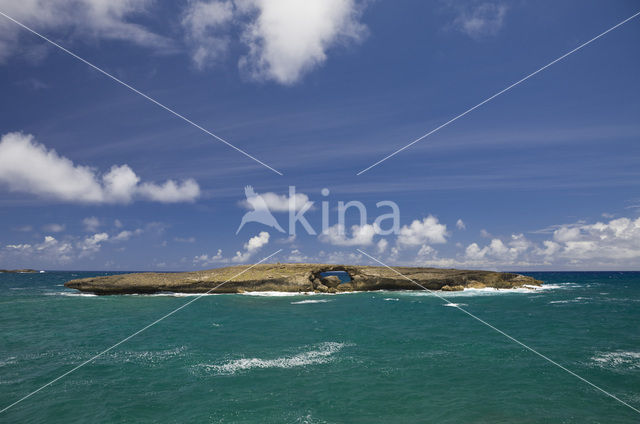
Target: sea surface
(378,357)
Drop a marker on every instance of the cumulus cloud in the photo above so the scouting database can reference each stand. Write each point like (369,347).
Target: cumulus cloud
(605,245)
(205,24)
(361,235)
(28,166)
(340,257)
(49,250)
(171,191)
(460,225)
(127,234)
(480,20)
(93,19)
(429,230)
(205,259)
(382,245)
(285,38)
(55,251)
(498,251)
(280,202)
(289,37)
(92,244)
(297,256)
(252,247)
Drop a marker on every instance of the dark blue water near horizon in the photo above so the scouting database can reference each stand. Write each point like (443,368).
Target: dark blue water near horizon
(374,357)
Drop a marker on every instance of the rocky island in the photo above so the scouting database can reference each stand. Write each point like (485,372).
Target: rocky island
(299,278)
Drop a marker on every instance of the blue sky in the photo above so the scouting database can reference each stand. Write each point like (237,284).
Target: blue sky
(543,177)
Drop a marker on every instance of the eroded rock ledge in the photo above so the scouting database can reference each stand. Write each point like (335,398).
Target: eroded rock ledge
(298,278)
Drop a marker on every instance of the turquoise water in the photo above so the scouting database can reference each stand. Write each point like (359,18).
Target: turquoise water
(383,357)
(342,275)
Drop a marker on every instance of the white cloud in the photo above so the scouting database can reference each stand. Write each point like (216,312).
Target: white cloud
(616,241)
(126,235)
(429,230)
(382,245)
(460,225)
(480,20)
(92,244)
(91,223)
(185,239)
(497,250)
(21,247)
(564,234)
(603,245)
(84,19)
(289,240)
(27,166)
(171,191)
(361,235)
(426,251)
(251,247)
(204,24)
(53,251)
(205,259)
(285,38)
(53,228)
(49,250)
(296,256)
(349,257)
(280,202)
(290,37)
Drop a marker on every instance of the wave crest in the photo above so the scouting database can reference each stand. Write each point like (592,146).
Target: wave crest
(321,354)
(626,360)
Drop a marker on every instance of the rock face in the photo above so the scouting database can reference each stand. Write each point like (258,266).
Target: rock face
(298,278)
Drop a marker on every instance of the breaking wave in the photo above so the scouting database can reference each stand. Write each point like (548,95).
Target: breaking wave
(626,360)
(321,354)
(301,302)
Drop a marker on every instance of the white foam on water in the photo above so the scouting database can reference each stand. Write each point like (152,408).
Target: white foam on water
(467,292)
(391,299)
(627,360)
(454,305)
(576,300)
(302,302)
(321,354)
(145,356)
(70,294)
(174,294)
(485,291)
(9,361)
(277,293)
(544,287)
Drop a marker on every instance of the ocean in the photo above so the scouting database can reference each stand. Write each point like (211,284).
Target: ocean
(376,357)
